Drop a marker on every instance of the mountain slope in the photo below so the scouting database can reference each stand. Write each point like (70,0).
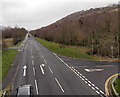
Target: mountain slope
(95,28)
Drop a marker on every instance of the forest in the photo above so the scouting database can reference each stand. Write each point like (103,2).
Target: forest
(98,29)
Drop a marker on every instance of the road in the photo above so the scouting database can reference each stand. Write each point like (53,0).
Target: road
(49,74)
(96,71)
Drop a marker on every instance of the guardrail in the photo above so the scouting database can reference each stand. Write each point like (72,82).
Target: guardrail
(113,84)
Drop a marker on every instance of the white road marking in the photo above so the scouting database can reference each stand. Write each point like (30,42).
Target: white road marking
(89,85)
(34,70)
(32,62)
(36,87)
(93,84)
(45,61)
(76,72)
(93,70)
(97,88)
(61,60)
(59,84)
(50,70)
(102,92)
(93,88)
(24,70)
(97,92)
(89,81)
(82,79)
(86,82)
(41,67)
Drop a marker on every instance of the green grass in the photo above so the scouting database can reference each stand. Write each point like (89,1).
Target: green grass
(7,59)
(70,51)
(18,44)
(117,87)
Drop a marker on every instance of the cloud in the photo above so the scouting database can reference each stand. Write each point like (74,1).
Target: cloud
(33,14)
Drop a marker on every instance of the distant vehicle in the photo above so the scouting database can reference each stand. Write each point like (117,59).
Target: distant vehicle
(24,90)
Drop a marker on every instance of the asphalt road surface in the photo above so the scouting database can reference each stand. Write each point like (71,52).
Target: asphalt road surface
(49,74)
(96,71)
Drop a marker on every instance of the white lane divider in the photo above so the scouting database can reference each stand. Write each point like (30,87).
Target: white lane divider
(24,70)
(36,87)
(41,67)
(45,61)
(33,70)
(50,70)
(59,85)
(32,62)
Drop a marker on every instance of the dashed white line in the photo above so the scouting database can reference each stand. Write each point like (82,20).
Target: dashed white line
(45,61)
(86,82)
(36,87)
(97,88)
(102,92)
(34,70)
(32,62)
(50,70)
(93,84)
(89,85)
(93,88)
(42,69)
(89,81)
(59,84)
(97,92)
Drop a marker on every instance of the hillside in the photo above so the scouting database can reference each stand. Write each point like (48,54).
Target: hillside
(96,28)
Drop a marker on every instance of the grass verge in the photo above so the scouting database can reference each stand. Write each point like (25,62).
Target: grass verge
(117,86)
(8,56)
(70,51)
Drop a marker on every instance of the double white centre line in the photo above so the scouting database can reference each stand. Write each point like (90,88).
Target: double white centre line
(59,85)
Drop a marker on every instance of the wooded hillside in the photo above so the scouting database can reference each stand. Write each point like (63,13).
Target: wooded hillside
(96,28)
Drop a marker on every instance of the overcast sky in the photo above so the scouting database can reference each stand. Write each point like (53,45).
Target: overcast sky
(32,14)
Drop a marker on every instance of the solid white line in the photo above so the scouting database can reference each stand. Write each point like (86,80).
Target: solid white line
(61,60)
(42,69)
(36,87)
(45,61)
(34,70)
(32,62)
(59,84)
(50,70)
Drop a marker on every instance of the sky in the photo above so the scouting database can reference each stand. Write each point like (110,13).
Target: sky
(33,14)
